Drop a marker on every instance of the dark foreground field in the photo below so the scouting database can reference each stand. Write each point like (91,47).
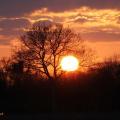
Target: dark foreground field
(94,95)
(64,116)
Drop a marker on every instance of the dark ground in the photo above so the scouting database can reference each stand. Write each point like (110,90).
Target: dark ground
(63,116)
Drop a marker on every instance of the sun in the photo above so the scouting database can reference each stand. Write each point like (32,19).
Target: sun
(69,63)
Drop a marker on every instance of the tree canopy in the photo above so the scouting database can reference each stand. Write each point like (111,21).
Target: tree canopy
(43,46)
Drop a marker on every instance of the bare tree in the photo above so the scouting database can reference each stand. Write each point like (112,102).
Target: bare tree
(44,45)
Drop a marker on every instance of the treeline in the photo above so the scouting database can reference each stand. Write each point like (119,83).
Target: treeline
(22,90)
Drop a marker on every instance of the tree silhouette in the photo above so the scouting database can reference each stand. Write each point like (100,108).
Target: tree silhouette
(43,46)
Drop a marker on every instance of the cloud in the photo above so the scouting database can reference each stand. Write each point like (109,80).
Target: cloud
(96,20)
(21,7)
(82,14)
(12,26)
(90,22)
(118,20)
(14,23)
(80,20)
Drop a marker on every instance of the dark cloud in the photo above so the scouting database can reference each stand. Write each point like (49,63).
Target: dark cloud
(15,23)
(12,27)
(20,7)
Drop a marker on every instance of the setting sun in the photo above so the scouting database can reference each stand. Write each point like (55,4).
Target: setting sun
(69,63)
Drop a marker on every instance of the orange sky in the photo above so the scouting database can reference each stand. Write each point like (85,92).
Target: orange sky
(97,22)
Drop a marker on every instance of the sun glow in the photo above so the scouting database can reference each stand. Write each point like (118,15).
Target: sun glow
(69,63)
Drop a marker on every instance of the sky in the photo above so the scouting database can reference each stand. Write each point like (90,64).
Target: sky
(98,21)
